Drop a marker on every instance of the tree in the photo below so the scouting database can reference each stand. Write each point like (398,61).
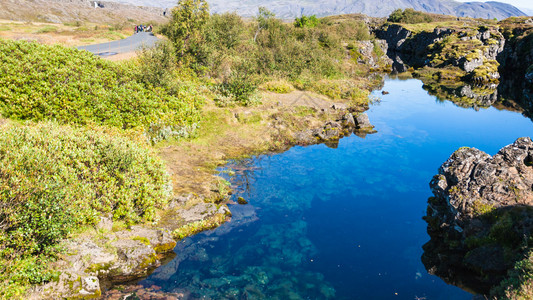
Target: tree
(306,21)
(263,18)
(189,19)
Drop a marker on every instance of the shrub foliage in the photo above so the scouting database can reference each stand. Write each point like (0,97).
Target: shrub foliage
(55,178)
(240,55)
(409,16)
(39,82)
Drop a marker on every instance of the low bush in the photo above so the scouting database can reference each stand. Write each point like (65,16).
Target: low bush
(519,283)
(56,178)
(39,82)
(305,21)
(409,16)
(240,88)
(268,48)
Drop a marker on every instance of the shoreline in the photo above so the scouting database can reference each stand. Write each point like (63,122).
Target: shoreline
(112,254)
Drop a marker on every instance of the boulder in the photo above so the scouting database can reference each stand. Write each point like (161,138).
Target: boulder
(362,121)
(480,215)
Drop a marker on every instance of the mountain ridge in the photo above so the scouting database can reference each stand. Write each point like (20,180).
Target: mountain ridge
(291,9)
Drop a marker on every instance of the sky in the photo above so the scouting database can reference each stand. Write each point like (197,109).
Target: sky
(526,4)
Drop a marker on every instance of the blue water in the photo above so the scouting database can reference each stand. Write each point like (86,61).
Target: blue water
(341,223)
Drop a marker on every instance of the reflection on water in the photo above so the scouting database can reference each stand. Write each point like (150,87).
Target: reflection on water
(341,223)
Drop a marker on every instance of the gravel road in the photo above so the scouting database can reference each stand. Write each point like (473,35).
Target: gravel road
(130,44)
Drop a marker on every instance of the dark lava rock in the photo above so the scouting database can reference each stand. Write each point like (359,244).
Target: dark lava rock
(481,215)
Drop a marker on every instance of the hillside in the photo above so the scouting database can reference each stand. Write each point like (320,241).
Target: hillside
(290,9)
(67,11)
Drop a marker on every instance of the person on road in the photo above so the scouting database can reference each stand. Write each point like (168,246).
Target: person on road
(136,29)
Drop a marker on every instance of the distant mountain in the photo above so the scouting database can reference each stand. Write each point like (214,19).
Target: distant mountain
(290,9)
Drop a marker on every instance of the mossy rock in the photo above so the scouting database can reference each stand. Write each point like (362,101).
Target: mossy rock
(164,248)
(242,201)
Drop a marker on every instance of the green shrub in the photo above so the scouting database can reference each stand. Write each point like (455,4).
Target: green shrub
(185,29)
(240,88)
(409,16)
(266,48)
(39,82)
(305,21)
(224,31)
(55,178)
(519,283)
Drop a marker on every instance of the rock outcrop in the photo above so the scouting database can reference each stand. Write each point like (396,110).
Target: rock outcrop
(471,50)
(92,263)
(342,121)
(481,216)
(373,54)
(517,63)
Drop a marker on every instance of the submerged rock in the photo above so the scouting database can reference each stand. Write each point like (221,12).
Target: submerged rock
(481,215)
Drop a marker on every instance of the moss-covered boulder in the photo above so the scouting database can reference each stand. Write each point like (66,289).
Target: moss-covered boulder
(481,216)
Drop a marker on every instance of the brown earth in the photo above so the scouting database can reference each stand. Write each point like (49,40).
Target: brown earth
(66,35)
(69,11)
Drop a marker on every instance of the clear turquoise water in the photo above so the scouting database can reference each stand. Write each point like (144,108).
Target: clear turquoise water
(341,223)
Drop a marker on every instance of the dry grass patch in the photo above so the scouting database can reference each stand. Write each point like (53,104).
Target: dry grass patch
(63,34)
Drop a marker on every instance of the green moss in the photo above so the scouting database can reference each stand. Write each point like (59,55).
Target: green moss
(148,261)
(479,208)
(199,226)
(475,54)
(304,111)
(96,268)
(164,248)
(241,200)
(484,72)
(251,118)
(142,239)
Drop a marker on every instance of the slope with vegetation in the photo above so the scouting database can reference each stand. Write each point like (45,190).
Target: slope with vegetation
(57,178)
(67,11)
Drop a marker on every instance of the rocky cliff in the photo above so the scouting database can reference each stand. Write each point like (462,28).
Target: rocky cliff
(466,53)
(466,60)
(481,216)
(517,62)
